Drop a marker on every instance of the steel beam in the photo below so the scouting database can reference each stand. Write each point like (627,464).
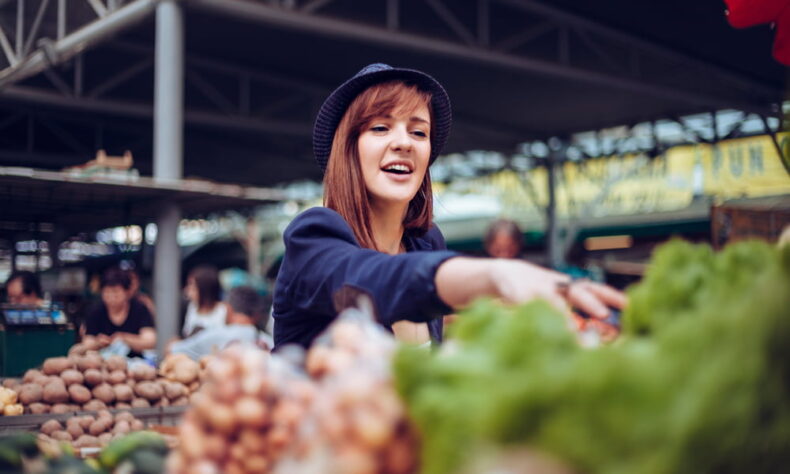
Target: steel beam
(261,13)
(78,41)
(142,111)
(570,19)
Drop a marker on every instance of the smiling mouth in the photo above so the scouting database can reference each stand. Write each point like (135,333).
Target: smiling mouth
(398,168)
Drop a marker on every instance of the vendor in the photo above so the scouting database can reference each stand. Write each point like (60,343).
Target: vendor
(23,288)
(374,138)
(119,317)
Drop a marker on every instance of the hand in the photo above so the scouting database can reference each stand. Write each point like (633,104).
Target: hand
(120,336)
(517,281)
(103,340)
(593,298)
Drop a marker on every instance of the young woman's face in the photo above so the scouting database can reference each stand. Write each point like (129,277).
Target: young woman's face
(393,152)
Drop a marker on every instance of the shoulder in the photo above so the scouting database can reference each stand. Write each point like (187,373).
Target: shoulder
(318,222)
(431,240)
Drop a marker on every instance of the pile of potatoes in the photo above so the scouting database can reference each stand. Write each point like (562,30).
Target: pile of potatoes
(91,432)
(88,382)
(8,402)
(358,424)
(245,416)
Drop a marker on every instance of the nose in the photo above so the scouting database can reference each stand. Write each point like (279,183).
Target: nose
(400,139)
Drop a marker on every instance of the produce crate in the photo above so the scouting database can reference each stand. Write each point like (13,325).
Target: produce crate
(161,416)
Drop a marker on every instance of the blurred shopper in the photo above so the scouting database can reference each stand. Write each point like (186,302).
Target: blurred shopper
(246,313)
(204,310)
(503,239)
(137,293)
(119,318)
(375,137)
(23,288)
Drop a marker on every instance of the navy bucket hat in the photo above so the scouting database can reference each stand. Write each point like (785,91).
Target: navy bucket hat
(335,106)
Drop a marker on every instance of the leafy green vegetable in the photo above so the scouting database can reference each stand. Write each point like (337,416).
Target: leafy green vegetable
(699,381)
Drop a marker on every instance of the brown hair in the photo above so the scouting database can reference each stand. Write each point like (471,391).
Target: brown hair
(344,185)
(208,288)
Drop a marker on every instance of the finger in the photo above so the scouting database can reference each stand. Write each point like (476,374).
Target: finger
(579,296)
(608,295)
(558,302)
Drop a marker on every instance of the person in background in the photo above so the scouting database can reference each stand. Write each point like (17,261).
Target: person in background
(143,298)
(119,317)
(503,239)
(204,310)
(23,288)
(246,313)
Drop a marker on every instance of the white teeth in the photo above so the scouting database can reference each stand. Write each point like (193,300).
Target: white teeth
(398,167)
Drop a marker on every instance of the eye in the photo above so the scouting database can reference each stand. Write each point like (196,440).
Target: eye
(378,128)
(420,133)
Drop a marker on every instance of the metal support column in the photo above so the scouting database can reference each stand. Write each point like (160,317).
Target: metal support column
(553,244)
(168,163)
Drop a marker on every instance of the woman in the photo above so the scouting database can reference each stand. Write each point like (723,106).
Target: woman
(205,310)
(503,239)
(375,137)
(119,317)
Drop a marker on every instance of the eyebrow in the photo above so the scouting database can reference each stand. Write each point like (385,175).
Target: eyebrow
(411,119)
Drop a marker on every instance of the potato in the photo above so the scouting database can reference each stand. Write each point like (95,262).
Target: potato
(85,421)
(104,392)
(38,408)
(180,402)
(7,396)
(121,427)
(55,393)
(87,441)
(31,375)
(13,384)
(91,360)
(123,405)
(105,414)
(194,386)
(93,377)
(162,402)
(123,415)
(123,392)
(143,372)
(116,376)
(56,365)
(116,362)
(79,394)
(141,403)
(94,405)
(186,371)
(30,393)
(100,426)
(149,390)
(78,350)
(41,380)
(72,377)
(61,436)
(105,438)
(175,390)
(59,409)
(75,430)
(137,425)
(252,412)
(50,426)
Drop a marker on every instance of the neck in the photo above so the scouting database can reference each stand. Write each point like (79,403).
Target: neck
(387,223)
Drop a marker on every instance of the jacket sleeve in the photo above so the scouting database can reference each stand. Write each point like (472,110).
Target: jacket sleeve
(322,255)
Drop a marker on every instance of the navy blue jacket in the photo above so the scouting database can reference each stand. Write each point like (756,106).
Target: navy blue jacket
(322,255)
